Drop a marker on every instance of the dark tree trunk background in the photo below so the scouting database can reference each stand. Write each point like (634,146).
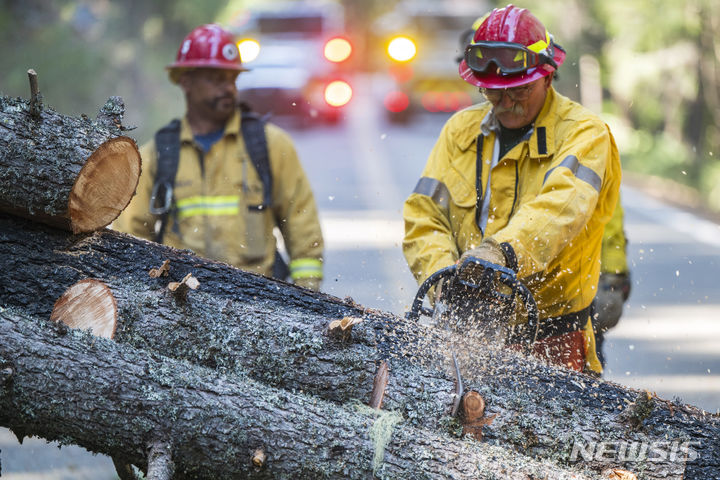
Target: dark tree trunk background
(71,173)
(110,398)
(277,334)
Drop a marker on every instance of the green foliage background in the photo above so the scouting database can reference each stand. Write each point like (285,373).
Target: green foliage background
(659,65)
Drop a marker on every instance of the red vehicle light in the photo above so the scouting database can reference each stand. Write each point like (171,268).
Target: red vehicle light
(337,49)
(434,101)
(396,101)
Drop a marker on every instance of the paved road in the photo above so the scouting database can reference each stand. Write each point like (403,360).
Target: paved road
(667,341)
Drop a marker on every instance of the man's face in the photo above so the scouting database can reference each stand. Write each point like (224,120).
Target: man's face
(518,106)
(210,91)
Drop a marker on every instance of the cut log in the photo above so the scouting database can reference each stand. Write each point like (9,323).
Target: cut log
(278,334)
(88,304)
(113,399)
(70,173)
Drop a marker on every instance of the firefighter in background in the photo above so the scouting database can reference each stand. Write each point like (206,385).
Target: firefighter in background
(526,180)
(221,189)
(614,285)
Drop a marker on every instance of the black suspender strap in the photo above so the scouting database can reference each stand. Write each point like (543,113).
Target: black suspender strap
(478,180)
(253,132)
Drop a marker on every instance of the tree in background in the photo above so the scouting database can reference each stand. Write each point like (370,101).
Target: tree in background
(85,51)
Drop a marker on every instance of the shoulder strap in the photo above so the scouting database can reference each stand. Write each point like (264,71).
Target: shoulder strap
(253,132)
(167,144)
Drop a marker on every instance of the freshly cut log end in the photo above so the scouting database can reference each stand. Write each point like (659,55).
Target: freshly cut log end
(88,304)
(105,185)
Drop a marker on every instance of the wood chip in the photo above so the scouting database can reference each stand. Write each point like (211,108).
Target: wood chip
(161,270)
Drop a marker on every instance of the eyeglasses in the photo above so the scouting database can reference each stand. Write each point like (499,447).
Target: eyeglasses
(509,57)
(516,94)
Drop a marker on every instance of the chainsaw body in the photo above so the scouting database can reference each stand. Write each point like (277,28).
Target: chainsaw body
(483,308)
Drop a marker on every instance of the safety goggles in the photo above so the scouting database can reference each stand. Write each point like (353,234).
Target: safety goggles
(509,57)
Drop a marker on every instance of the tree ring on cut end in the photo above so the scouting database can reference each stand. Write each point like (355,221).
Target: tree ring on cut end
(105,185)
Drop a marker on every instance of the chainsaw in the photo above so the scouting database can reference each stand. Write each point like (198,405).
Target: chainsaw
(483,307)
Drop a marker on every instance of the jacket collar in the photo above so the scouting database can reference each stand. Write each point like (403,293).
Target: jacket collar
(541,142)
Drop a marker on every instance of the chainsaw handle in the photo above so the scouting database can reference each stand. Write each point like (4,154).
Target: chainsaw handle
(491,275)
(417,306)
(507,277)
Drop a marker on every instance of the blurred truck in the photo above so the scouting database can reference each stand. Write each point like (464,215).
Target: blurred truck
(421,44)
(299,60)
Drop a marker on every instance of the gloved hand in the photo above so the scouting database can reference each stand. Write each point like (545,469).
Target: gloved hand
(613,291)
(311,283)
(488,250)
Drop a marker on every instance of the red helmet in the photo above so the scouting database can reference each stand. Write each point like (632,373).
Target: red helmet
(511,47)
(207,46)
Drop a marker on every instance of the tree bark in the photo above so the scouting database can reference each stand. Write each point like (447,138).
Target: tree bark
(109,398)
(278,334)
(70,173)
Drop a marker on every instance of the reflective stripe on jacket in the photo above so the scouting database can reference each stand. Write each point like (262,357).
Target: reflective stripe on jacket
(218,209)
(550,198)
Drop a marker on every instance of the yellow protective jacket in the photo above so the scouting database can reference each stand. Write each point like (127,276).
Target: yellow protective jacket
(550,198)
(215,210)
(614,255)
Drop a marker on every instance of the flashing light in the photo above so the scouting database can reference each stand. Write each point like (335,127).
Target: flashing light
(401,49)
(249,49)
(338,93)
(337,49)
(437,101)
(396,101)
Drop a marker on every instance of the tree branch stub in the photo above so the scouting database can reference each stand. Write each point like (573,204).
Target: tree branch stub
(160,462)
(35,97)
(379,384)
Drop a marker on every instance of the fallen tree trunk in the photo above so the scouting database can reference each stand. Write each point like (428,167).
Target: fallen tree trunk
(278,334)
(70,173)
(120,401)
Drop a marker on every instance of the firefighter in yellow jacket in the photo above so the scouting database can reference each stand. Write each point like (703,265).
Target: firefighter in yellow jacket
(526,180)
(215,201)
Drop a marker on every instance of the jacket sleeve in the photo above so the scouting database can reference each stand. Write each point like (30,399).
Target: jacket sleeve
(613,258)
(294,207)
(136,218)
(570,190)
(429,244)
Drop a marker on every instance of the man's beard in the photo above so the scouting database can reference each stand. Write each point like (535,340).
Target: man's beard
(214,104)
